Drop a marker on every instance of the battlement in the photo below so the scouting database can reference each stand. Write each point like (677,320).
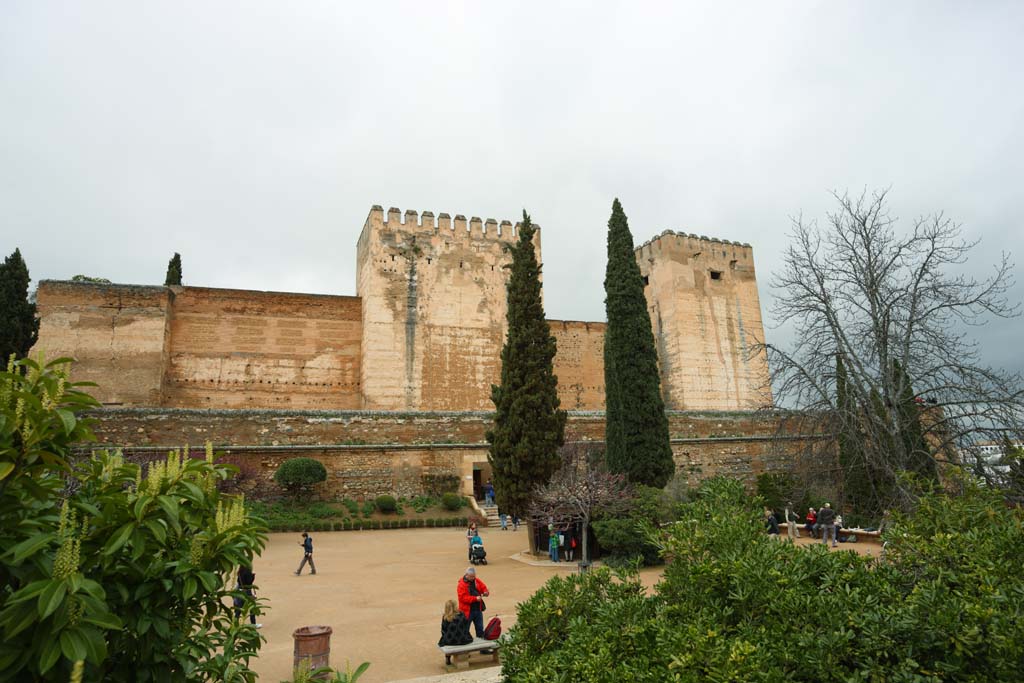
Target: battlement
(411,221)
(691,245)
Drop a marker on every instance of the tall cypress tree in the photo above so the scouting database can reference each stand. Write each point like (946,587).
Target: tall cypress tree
(636,428)
(19,326)
(173,271)
(917,453)
(856,473)
(529,427)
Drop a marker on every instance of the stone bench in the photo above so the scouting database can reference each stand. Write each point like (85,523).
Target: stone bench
(859,533)
(453,653)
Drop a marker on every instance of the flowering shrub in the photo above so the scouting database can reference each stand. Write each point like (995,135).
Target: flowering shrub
(133,571)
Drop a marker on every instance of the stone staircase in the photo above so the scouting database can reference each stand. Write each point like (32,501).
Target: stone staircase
(491,511)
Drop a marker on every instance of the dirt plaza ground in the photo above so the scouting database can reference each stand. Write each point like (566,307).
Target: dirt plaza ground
(383,593)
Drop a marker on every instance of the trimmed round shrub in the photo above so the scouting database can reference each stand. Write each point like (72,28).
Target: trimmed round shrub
(451,501)
(299,475)
(386,504)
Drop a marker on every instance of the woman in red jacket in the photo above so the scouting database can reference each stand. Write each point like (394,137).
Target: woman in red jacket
(472,592)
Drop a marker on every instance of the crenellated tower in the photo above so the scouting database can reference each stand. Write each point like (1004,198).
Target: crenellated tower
(705,312)
(433,306)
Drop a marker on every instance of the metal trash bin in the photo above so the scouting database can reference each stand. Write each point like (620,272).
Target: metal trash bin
(312,644)
(585,567)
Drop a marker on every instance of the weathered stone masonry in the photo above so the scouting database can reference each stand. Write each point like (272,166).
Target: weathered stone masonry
(369,453)
(391,384)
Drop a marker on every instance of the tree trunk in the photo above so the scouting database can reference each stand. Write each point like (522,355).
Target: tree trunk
(532,536)
(584,546)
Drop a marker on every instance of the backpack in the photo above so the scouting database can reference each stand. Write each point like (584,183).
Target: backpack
(493,629)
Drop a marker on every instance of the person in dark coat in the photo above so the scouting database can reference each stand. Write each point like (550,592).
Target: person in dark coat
(246,579)
(827,521)
(454,626)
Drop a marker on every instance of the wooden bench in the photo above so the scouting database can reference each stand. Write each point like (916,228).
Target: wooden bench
(453,653)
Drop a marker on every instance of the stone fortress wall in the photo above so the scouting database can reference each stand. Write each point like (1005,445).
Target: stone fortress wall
(422,337)
(423,333)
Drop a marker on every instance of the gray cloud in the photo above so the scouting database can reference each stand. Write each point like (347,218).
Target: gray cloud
(253,138)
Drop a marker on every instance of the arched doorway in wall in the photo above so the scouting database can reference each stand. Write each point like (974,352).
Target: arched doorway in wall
(481,474)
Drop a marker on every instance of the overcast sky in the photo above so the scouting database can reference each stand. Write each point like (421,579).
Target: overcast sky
(254,137)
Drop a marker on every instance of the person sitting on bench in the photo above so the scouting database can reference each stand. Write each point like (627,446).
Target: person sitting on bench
(454,626)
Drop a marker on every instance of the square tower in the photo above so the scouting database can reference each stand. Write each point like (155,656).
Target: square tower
(433,305)
(705,313)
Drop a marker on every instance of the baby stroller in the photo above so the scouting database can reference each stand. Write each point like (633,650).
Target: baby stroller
(477,554)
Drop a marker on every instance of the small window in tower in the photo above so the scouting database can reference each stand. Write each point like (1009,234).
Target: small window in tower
(647,280)
(716,275)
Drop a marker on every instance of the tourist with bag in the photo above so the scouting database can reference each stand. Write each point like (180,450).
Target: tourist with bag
(471,592)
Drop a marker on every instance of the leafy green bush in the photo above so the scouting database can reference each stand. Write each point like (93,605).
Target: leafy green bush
(422,503)
(622,539)
(131,572)
(451,501)
(299,475)
(367,508)
(351,505)
(386,504)
(735,605)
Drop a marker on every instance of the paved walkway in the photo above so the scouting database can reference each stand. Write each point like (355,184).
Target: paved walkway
(383,593)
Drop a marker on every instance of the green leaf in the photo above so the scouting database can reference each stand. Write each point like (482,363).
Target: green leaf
(157,527)
(68,419)
(29,592)
(49,655)
(209,580)
(95,645)
(5,468)
(72,644)
(190,587)
(170,507)
(140,506)
(17,618)
(29,547)
(104,620)
(118,539)
(51,598)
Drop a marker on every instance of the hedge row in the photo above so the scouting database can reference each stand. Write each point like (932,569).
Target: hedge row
(370,524)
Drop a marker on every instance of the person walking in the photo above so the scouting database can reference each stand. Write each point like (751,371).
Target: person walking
(827,522)
(454,626)
(489,493)
(471,592)
(792,529)
(470,533)
(307,547)
(245,584)
(504,521)
(515,522)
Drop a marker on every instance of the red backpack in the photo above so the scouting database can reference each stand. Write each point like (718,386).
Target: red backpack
(493,629)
